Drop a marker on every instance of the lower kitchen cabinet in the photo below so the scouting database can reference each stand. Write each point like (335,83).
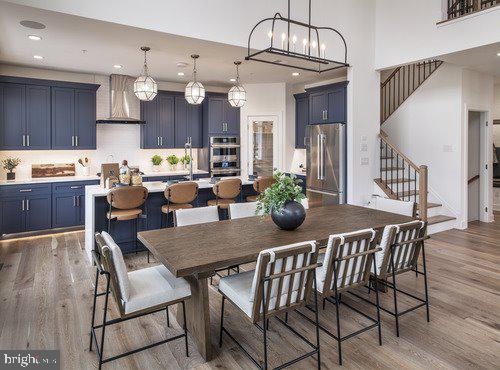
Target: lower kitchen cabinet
(12,215)
(68,203)
(26,213)
(38,212)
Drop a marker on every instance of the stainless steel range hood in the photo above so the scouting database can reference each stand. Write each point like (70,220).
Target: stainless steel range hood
(121,96)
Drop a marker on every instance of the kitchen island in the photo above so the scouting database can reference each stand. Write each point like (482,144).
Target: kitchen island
(96,207)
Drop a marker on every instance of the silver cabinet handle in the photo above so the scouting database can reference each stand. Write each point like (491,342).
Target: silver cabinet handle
(25,190)
(24,140)
(78,200)
(157,141)
(22,205)
(161,140)
(75,187)
(72,141)
(27,204)
(27,140)
(305,139)
(76,140)
(74,201)
(326,114)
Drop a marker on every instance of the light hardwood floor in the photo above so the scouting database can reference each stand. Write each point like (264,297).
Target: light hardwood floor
(46,294)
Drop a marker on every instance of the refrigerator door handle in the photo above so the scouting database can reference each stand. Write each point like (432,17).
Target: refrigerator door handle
(321,152)
(318,159)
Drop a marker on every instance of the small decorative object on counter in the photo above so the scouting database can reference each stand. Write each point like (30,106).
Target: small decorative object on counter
(281,200)
(10,164)
(185,160)
(125,173)
(172,160)
(136,179)
(156,160)
(111,180)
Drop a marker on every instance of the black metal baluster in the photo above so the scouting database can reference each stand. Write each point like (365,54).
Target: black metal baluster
(392,179)
(397,173)
(380,160)
(385,151)
(409,177)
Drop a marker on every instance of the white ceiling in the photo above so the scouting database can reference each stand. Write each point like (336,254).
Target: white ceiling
(482,59)
(107,44)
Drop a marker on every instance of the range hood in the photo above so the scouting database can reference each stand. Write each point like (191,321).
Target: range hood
(121,96)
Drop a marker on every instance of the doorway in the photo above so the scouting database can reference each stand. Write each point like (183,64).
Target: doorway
(263,146)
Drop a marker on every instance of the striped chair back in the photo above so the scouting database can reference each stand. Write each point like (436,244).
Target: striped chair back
(283,279)
(401,246)
(348,260)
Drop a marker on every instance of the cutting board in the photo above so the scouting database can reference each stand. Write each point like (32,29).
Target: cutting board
(52,170)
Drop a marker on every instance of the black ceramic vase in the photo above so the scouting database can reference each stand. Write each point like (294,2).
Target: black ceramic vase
(11,175)
(290,217)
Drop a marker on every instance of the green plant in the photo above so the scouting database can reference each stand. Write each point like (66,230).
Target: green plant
(10,164)
(285,189)
(186,159)
(156,159)
(172,159)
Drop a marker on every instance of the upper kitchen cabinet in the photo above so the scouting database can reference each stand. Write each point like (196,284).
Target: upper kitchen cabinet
(158,131)
(327,104)
(301,119)
(24,117)
(219,117)
(188,123)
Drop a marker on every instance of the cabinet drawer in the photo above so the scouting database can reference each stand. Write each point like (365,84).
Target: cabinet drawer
(155,178)
(26,190)
(75,187)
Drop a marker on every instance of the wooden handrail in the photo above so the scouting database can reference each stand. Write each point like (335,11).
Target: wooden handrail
(383,136)
(390,76)
(472,179)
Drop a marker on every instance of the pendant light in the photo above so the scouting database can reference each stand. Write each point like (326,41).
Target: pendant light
(145,88)
(237,96)
(195,92)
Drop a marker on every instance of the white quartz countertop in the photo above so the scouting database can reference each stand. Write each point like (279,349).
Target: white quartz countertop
(155,186)
(43,180)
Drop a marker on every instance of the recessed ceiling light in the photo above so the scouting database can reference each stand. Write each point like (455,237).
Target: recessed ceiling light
(34,37)
(180,73)
(295,74)
(232,80)
(118,66)
(32,24)
(37,57)
(498,54)
(181,64)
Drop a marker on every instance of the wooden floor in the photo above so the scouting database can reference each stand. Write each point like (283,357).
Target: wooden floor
(45,303)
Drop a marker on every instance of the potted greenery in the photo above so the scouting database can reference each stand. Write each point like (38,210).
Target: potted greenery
(156,160)
(185,160)
(282,200)
(9,164)
(172,160)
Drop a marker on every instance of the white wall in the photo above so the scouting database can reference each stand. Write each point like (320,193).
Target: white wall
(406,31)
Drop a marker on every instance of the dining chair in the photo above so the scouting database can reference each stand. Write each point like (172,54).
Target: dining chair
(241,210)
(225,192)
(259,185)
(345,266)
(136,293)
(305,203)
(179,196)
(401,246)
(283,280)
(394,206)
(125,204)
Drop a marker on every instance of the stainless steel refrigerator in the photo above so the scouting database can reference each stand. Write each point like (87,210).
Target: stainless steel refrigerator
(326,164)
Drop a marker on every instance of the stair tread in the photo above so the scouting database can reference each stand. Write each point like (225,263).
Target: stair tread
(432,205)
(438,219)
(407,193)
(392,169)
(396,181)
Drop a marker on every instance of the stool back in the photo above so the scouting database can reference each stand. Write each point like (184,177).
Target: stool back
(259,185)
(182,192)
(127,197)
(227,189)
(283,279)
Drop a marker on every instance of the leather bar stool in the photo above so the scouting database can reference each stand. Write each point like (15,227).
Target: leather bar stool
(259,185)
(179,196)
(125,204)
(225,192)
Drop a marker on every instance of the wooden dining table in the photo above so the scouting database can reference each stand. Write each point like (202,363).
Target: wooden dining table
(196,252)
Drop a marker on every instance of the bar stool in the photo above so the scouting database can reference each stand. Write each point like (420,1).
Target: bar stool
(225,193)
(125,204)
(259,185)
(179,196)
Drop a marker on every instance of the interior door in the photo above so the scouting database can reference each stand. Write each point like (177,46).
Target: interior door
(474,138)
(262,156)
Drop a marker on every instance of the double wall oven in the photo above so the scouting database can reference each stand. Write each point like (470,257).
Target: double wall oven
(224,156)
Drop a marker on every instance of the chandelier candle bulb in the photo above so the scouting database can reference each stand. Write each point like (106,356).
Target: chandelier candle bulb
(304,43)
(283,38)
(323,48)
(294,41)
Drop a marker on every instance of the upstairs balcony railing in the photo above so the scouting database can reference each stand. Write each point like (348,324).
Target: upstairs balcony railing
(459,8)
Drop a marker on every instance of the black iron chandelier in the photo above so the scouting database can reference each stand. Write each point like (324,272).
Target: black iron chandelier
(310,56)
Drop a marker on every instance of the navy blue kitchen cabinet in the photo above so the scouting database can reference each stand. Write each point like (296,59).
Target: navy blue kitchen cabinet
(85,116)
(12,215)
(301,119)
(150,138)
(166,120)
(188,123)
(327,104)
(68,203)
(37,131)
(219,117)
(12,116)
(158,132)
(38,212)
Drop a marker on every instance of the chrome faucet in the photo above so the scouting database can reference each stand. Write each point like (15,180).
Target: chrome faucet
(190,146)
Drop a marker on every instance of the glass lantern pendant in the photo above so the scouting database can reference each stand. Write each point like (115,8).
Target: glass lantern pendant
(237,96)
(145,88)
(195,92)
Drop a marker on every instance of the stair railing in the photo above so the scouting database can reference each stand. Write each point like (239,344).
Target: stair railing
(459,8)
(397,169)
(401,83)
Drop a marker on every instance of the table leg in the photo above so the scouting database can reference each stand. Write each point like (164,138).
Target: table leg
(198,316)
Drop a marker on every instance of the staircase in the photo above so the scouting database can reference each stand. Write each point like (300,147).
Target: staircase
(403,82)
(399,177)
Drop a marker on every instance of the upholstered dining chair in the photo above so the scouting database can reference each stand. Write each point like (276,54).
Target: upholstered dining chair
(401,247)
(179,196)
(346,265)
(125,204)
(225,192)
(284,280)
(259,185)
(136,293)
(241,210)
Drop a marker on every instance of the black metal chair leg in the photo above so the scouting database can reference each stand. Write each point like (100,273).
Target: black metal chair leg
(286,317)
(396,315)
(148,255)
(101,352)
(168,317)
(377,301)
(185,327)
(337,313)
(221,321)
(425,284)
(316,309)
(93,308)
(265,321)
(324,303)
